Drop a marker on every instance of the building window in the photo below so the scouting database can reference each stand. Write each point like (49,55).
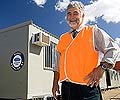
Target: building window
(50,56)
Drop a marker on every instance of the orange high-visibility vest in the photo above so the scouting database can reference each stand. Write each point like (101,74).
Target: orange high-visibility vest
(78,56)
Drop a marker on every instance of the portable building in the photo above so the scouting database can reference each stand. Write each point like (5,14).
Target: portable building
(27,58)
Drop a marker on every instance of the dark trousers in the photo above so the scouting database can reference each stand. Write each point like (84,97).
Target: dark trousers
(71,91)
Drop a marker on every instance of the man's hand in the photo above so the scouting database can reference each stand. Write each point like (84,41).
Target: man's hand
(55,89)
(95,76)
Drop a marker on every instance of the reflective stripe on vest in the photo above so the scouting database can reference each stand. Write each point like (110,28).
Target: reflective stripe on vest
(78,56)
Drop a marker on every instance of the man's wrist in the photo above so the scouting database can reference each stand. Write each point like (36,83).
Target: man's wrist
(103,66)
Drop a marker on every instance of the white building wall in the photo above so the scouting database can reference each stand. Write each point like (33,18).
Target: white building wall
(39,80)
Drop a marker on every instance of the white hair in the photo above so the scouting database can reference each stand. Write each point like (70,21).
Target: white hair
(76,4)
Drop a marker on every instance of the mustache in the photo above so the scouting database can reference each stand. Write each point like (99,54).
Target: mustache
(76,20)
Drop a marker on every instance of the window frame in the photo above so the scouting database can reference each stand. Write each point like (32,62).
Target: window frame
(52,56)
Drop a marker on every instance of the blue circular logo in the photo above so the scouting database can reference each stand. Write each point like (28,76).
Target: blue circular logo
(17,61)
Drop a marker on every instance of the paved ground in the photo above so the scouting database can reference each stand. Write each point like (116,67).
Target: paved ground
(113,94)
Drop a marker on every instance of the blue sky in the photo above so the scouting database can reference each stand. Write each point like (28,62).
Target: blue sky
(50,14)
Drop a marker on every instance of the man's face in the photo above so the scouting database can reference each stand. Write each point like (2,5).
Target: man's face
(74,17)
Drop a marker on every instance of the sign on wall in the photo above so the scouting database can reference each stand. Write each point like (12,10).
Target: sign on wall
(17,61)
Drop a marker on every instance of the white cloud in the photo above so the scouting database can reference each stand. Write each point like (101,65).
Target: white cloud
(61,21)
(117,40)
(62,5)
(40,3)
(108,10)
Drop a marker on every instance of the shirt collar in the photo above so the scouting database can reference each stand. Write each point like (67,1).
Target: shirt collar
(78,29)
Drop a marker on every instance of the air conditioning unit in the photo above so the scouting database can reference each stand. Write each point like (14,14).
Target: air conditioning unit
(41,39)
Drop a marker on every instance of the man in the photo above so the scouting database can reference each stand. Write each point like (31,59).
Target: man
(77,65)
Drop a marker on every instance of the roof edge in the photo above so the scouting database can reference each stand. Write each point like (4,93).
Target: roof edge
(40,28)
(17,26)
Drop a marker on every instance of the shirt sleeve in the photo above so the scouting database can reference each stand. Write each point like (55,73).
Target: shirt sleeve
(56,67)
(118,57)
(106,45)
